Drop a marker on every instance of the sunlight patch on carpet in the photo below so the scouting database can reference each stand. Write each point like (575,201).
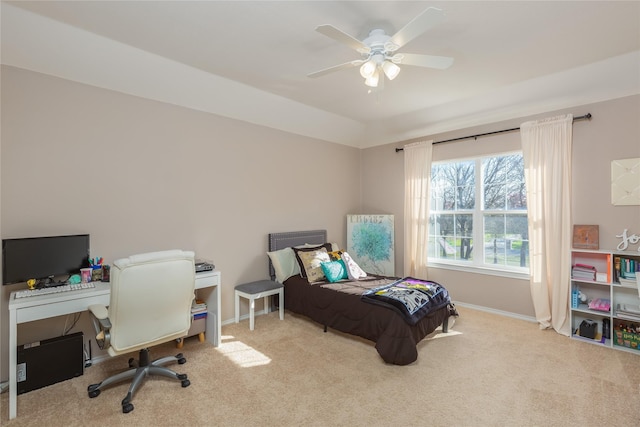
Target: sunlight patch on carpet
(241,354)
(440,334)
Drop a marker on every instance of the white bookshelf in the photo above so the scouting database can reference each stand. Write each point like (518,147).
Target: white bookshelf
(607,286)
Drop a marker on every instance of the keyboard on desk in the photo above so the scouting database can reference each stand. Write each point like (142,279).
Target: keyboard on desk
(53,290)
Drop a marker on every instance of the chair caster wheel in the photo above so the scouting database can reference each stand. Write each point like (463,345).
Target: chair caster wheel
(94,393)
(186,383)
(127,407)
(182,376)
(182,361)
(132,363)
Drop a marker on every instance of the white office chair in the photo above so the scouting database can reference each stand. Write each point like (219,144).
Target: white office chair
(150,304)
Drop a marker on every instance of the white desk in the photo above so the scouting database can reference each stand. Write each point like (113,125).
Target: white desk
(46,306)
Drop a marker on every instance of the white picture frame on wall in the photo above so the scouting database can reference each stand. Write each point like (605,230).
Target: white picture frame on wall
(625,182)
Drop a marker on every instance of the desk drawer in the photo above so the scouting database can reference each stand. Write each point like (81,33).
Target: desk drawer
(59,308)
(207,279)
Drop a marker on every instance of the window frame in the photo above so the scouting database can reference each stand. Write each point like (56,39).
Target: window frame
(477,264)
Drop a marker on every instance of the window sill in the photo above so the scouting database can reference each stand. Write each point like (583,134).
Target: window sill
(480,270)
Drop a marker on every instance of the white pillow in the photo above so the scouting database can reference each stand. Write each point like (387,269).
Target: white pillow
(284,263)
(353,269)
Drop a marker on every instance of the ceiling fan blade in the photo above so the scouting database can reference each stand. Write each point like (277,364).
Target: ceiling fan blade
(418,25)
(429,61)
(342,37)
(344,66)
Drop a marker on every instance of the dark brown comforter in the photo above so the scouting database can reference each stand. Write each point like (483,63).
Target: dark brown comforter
(338,305)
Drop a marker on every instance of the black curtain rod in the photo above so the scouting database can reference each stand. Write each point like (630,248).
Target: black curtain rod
(585,117)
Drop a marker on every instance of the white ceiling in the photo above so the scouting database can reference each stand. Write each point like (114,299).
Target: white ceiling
(250,59)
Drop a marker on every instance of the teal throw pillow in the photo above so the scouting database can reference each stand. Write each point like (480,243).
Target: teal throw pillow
(334,270)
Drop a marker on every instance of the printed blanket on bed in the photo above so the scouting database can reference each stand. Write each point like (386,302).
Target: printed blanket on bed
(412,298)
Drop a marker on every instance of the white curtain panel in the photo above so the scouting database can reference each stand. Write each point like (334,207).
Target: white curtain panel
(546,146)
(417,178)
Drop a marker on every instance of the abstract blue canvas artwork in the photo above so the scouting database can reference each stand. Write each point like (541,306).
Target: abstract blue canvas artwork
(370,242)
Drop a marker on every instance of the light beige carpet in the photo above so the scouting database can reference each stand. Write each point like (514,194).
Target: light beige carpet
(488,371)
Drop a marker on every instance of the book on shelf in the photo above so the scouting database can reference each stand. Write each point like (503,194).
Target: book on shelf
(628,309)
(628,312)
(582,266)
(583,271)
(626,268)
(198,306)
(627,282)
(628,317)
(198,309)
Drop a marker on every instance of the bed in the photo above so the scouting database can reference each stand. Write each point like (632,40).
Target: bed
(340,305)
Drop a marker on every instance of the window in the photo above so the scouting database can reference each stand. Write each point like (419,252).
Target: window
(478,213)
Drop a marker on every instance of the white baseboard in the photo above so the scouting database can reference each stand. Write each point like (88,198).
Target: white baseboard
(245,317)
(499,312)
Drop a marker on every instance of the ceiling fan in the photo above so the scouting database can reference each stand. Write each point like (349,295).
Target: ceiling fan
(378,51)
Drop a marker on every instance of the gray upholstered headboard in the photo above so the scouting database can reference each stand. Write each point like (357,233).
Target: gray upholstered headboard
(287,239)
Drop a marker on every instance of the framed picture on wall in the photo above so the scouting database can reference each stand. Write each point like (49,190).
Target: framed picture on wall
(586,237)
(370,243)
(625,182)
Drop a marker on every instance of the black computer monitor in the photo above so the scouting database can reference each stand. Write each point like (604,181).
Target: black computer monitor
(43,257)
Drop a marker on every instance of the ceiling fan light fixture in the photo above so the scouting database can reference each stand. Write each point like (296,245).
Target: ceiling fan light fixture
(379,57)
(372,81)
(390,69)
(368,68)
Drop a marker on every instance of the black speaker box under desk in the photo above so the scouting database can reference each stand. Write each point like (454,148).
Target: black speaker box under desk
(49,361)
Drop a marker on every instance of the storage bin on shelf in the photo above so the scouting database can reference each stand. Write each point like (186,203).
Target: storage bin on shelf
(198,322)
(627,334)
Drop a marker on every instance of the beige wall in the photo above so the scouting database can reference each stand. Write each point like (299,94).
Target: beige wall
(140,175)
(612,133)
